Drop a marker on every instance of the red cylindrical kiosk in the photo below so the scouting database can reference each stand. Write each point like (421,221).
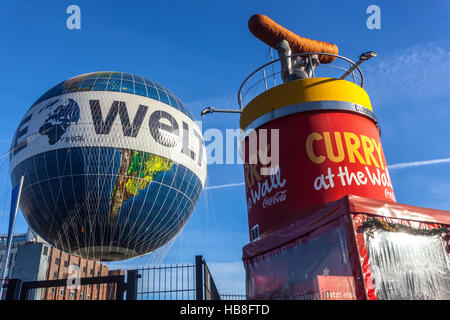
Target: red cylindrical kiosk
(322,144)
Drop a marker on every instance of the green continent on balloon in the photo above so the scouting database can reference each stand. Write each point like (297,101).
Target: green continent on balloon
(143,170)
(137,170)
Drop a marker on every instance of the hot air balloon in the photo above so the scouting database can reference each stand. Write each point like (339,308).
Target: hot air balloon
(113,165)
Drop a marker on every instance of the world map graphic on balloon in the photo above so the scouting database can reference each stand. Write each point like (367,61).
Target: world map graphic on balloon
(136,171)
(59,120)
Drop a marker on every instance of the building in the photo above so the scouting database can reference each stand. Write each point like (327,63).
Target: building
(62,265)
(33,259)
(19,239)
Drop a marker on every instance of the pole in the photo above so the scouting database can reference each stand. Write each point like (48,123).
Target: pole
(199,278)
(132,283)
(15,200)
(265,80)
(273,68)
(14,289)
(364,57)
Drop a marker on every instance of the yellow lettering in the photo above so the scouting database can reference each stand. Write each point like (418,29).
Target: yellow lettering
(353,144)
(310,148)
(368,150)
(378,148)
(329,146)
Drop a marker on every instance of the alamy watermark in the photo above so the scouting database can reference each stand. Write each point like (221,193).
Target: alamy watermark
(73,278)
(73,21)
(374,20)
(255,147)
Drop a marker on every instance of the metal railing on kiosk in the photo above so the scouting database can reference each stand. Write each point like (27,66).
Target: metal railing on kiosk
(262,80)
(270,75)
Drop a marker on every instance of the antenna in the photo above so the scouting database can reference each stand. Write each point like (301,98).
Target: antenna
(273,67)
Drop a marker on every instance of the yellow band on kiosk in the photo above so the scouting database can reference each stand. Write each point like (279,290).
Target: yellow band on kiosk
(305,92)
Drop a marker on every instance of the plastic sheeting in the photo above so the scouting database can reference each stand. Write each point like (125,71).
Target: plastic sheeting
(407,266)
(314,267)
(329,255)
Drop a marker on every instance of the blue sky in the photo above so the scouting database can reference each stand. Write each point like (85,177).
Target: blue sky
(202,51)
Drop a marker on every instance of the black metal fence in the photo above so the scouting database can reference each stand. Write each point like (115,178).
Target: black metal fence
(210,291)
(180,282)
(232,296)
(162,282)
(167,282)
(115,289)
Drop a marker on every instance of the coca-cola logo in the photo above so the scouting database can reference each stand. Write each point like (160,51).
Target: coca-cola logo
(389,194)
(266,187)
(280,196)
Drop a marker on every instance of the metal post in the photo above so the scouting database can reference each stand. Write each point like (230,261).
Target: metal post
(208,110)
(13,289)
(273,68)
(265,80)
(121,288)
(210,286)
(364,57)
(132,279)
(199,277)
(24,292)
(15,200)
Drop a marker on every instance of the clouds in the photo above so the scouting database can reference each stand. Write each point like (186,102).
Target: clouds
(396,166)
(417,163)
(412,74)
(410,92)
(222,186)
